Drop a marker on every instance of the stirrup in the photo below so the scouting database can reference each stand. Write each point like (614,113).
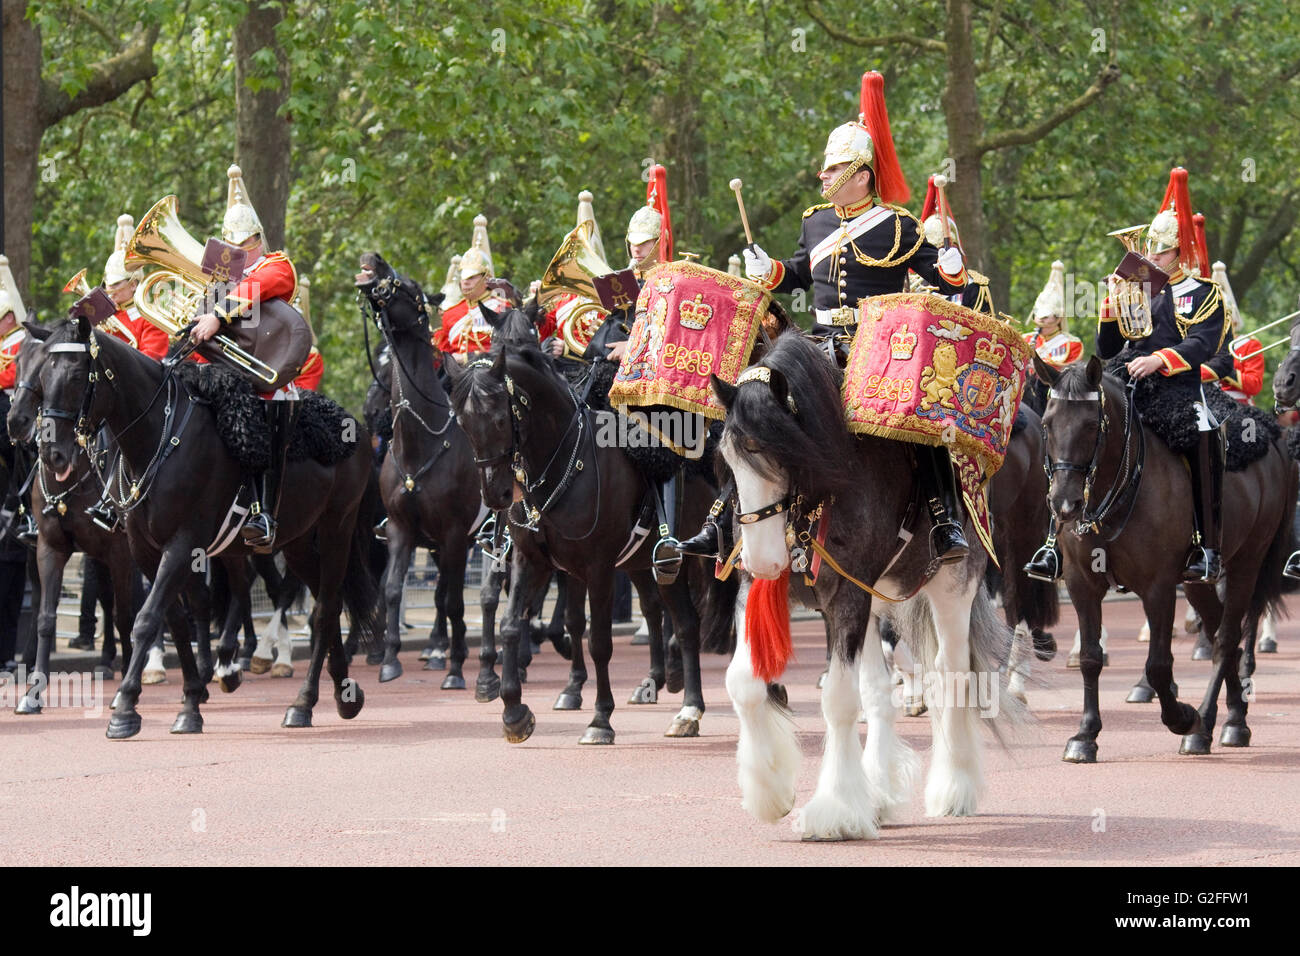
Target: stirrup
(1292,569)
(380,530)
(258,531)
(706,543)
(26,530)
(1203,566)
(1045,565)
(104,515)
(666,560)
(956,550)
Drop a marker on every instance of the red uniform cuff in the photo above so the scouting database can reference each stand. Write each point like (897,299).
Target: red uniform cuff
(1173,362)
(774,275)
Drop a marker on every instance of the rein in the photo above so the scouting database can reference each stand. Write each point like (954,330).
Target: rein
(1128,476)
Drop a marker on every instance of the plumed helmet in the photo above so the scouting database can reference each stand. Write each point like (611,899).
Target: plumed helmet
(1051,301)
(241,219)
(115,267)
(10,300)
(477,259)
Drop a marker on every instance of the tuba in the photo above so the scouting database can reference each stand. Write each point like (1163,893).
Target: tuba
(171,296)
(572,270)
(79,285)
(1130,296)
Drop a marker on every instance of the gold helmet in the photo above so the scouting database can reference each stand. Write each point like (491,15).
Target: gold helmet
(1219,275)
(451,288)
(586,213)
(115,267)
(1172,227)
(477,259)
(10,300)
(850,143)
(241,218)
(868,142)
(645,224)
(1051,301)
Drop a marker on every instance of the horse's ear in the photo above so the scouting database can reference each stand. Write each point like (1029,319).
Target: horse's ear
(776,381)
(725,391)
(1046,373)
(453,369)
(498,368)
(1094,371)
(83,328)
(38,332)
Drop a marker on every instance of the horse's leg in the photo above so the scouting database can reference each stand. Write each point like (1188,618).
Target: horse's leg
(400,546)
(956,775)
(890,763)
(451,581)
(51,563)
(307,566)
(108,595)
(173,573)
(517,718)
(488,686)
(1241,687)
(652,610)
(1019,662)
(1267,638)
(600,595)
(686,627)
(122,576)
(1086,595)
(228,672)
(913,682)
(674,669)
(767,750)
(1181,719)
(575,612)
(555,631)
(189,720)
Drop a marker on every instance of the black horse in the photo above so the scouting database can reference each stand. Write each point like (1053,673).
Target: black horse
(533,440)
(178,505)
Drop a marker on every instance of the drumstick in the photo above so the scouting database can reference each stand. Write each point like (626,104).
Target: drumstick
(736,184)
(940,181)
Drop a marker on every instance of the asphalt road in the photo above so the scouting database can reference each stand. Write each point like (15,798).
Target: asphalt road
(423,776)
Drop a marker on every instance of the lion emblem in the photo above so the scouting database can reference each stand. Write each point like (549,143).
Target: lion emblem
(938,380)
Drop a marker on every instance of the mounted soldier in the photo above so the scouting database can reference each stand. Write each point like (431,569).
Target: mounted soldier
(1239,367)
(262,295)
(1051,339)
(12,337)
(1167,336)
(941,232)
(467,326)
(858,245)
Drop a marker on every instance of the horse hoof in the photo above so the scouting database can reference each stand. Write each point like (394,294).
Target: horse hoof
(487,689)
(230,682)
(1202,652)
(349,698)
(1072,660)
(121,726)
(683,727)
(520,730)
(1266,646)
(188,722)
(203,696)
(645,693)
(914,707)
(1044,647)
(281,670)
(393,670)
(674,682)
(296,717)
(453,682)
(1195,745)
(426,653)
(568,701)
(597,735)
(27,706)
(375,658)
(153,677)
(1140,694)
(1080,751)
(245,663)
(259,665)
(434,664)
(118,697)
(1235,735)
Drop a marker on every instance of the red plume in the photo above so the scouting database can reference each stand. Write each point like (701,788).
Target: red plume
(931,205)
(1202,247)
(1176,195)
(891,185)
(767,626)
(656,195)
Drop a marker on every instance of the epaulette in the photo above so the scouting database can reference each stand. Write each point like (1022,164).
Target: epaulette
(903,210)
(812,209)
(978,278)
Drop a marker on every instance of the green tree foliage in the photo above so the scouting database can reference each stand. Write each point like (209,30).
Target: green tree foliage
(408,119)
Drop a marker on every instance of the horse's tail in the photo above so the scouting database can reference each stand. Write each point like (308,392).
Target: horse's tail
(718,623)
(1269,584)
(360,585)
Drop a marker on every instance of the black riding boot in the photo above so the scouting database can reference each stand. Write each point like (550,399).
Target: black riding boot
(1047,563)
(259,530)
(707,542)
(1203,564)
(947,542)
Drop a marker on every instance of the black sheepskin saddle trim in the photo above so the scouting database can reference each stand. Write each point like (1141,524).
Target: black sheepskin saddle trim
(1021,421)
(1169,414)
(319,434)
(1293,442)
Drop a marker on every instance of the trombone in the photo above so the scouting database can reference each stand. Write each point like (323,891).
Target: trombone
(170,296)
(81,286)
(1285,340)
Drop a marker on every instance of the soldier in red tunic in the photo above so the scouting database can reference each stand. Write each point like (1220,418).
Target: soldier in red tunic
(467,325)
(130,326)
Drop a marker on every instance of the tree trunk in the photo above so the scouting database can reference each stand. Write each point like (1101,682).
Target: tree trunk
(965,130)
(22,137)
(262,140)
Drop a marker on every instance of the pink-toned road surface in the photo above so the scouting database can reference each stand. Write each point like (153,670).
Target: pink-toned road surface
(423,776)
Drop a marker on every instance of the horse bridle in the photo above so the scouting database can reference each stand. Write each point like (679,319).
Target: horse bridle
(519,405)
(1126,478)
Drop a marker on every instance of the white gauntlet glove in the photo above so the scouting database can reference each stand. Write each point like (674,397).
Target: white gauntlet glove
(950,261)
(758,264)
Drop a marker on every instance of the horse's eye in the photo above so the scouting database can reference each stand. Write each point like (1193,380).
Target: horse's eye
(752,445)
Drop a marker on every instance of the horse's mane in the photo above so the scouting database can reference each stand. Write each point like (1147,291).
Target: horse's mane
(529,352)
(813,446)
(1074,383)
(516,328)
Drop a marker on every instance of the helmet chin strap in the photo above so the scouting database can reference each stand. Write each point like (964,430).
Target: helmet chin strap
(849,172)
